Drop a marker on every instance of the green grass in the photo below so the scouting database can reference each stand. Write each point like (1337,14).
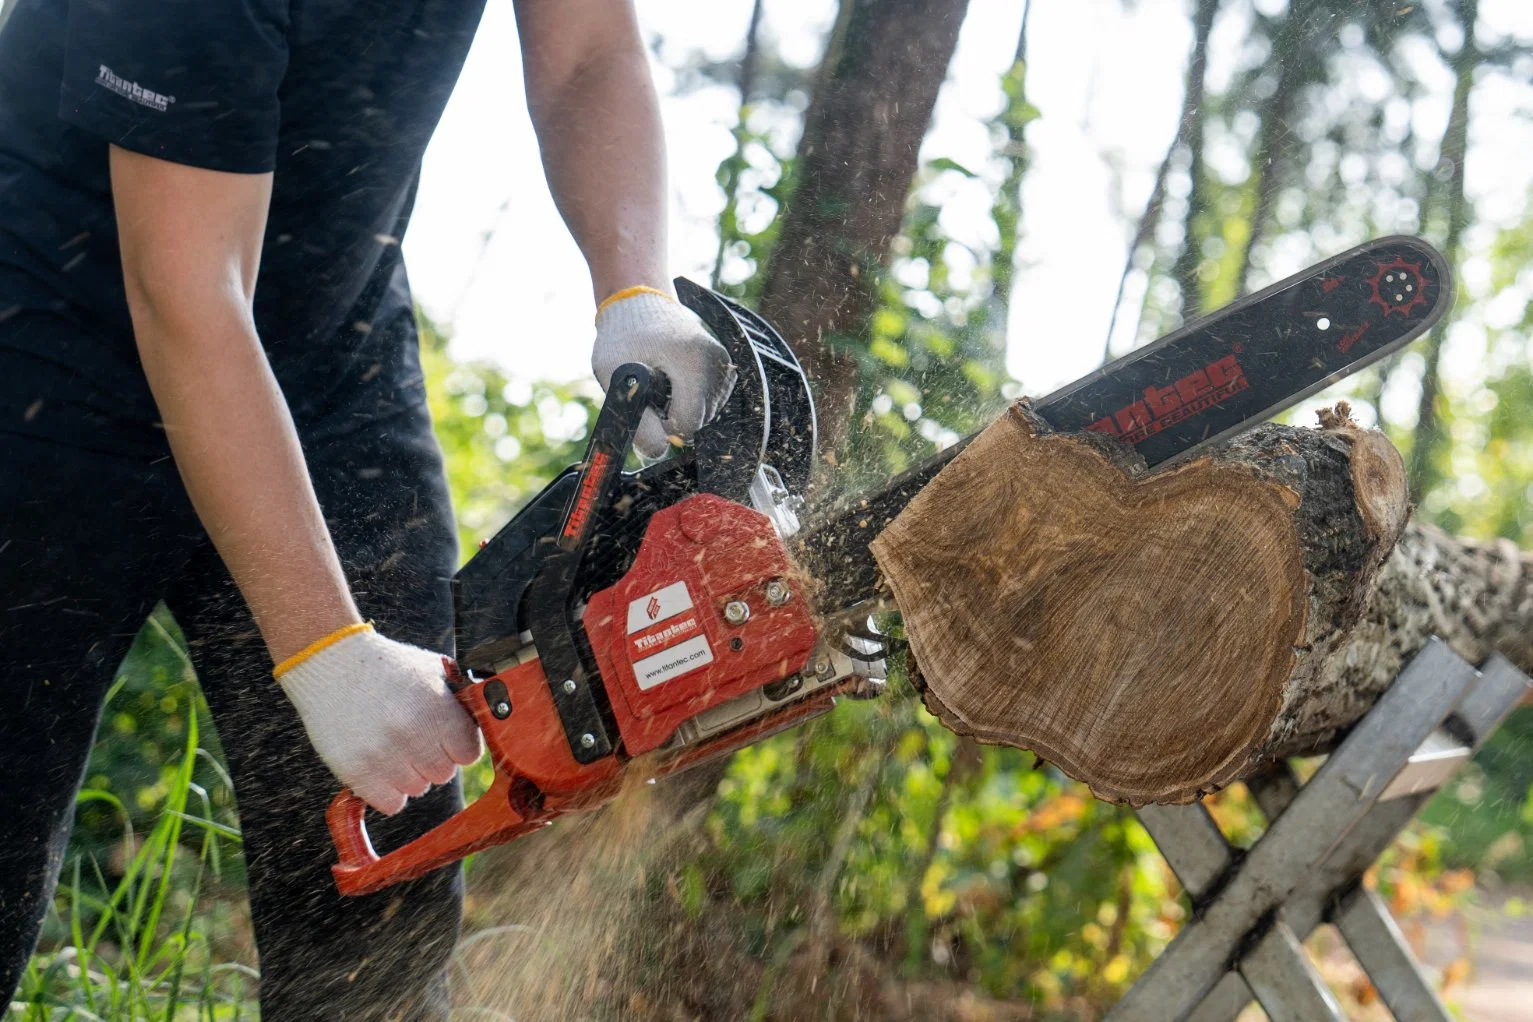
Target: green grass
(126,957)
(141,946)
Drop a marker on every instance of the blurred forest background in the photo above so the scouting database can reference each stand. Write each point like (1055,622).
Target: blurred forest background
(919,875)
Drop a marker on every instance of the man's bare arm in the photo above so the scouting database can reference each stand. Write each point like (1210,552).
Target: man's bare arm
(191,245)
(377,711)
(598,123)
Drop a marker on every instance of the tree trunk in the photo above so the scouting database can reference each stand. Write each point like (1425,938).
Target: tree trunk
(1160,636)
(856,161)
(1189,135)
(1455,149)
(1185,270)
(750,60)
(1289,52)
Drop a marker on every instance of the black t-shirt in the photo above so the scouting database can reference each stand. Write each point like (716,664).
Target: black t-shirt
(337,97)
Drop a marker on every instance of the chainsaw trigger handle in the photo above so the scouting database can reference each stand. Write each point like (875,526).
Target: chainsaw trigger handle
(348,830)
(453,675)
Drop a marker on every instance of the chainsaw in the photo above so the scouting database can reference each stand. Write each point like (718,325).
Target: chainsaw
(631,624)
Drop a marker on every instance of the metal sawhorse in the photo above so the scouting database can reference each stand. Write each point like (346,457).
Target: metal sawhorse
(1253,910)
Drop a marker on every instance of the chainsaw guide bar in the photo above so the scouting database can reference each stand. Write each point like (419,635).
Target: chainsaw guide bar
(1180,395)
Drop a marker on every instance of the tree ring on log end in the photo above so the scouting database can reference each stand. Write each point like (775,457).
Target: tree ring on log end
(1378,480)
(1136,632)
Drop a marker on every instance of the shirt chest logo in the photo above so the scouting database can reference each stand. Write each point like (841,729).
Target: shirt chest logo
(132,90)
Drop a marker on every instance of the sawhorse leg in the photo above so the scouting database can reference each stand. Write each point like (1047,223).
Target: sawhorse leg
(1332,891)
(1253,913)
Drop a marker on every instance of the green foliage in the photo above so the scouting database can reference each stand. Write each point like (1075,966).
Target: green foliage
(153,707)
(1484,817)
(979,863)
(1009,132)
(761,177)
(503,439)
(1482,470)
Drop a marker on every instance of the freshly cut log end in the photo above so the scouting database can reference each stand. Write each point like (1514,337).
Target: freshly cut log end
(1143,632)
(1378,474)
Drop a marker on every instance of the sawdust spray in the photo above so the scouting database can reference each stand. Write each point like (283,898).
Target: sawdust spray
(560,916)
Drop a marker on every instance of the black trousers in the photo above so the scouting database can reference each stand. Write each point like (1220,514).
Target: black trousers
(95,527)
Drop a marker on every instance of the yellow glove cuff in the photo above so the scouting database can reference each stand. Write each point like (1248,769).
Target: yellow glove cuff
(629,292)
(319,644)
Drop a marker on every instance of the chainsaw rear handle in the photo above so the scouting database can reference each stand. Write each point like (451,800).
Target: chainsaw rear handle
(494,817)
(361,870)
(487,821)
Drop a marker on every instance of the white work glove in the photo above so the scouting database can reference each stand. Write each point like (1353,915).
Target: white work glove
(380,715)
(640,324)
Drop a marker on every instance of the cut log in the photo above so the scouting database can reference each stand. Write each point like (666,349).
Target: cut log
(1159,636)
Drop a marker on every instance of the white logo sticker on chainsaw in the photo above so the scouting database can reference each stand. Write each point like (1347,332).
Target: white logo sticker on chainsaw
(650,642)
(673,662)
(657,606)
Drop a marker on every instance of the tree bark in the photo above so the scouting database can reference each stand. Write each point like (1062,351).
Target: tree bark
(1160,636)
(856,162)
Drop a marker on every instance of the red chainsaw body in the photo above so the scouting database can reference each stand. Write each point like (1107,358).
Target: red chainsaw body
(666,652)
(660,635)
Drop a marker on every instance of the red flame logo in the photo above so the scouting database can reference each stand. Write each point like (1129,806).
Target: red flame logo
(1399,287)
(652,608)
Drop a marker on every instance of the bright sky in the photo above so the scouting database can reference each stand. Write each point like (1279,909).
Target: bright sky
(488,253)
